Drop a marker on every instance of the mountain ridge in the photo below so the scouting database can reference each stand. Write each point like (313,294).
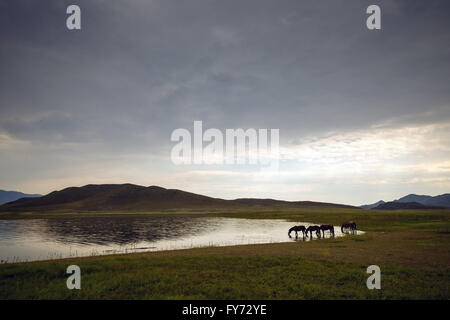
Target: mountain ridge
(373,205)
(8,196)
(442,200)
(131,197)
(439,200)
(396,205)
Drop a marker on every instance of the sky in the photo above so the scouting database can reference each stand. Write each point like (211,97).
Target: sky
(362,114)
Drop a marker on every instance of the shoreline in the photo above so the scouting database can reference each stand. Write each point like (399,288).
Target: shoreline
(376,240)
(178,249)
(410,246)
(328,269)
(75,251)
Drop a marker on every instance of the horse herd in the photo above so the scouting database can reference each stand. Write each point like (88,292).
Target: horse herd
(321,229)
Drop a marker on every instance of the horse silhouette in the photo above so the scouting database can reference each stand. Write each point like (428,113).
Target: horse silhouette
(325,227)
(310,229)
(349,225)
(297,229)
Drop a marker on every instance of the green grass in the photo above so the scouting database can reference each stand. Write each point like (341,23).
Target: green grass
(368,220)
(410,246)
(213,277)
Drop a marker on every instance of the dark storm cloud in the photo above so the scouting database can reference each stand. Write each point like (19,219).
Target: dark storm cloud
(152,66)
(140,69)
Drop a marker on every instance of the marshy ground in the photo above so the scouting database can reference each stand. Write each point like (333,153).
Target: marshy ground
(412,249)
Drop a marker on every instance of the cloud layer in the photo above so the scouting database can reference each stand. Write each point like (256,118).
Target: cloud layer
(362,114)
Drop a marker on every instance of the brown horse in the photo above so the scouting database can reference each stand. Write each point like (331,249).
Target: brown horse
(296,229)
(310,229)
(325,227)
(349,225)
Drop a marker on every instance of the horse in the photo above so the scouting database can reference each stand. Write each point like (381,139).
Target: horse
(310,229)
(296,229)
(349,225)
(329,227)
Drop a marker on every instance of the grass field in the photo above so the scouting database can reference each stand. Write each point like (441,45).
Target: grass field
(412,249)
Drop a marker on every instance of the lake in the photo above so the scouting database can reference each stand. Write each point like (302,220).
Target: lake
(55,238)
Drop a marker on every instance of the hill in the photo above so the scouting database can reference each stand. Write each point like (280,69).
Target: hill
(129,197)
(442,200)
(8,196)
(371,206)
(395,205)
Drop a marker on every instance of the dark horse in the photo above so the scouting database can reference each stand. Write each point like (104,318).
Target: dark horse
(310,229)
(325,227)
(297,229)
(349,225)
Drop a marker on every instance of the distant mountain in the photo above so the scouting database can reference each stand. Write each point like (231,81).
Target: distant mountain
(371,206)
(442,200)
(8,196)
(133,198)
(395,205)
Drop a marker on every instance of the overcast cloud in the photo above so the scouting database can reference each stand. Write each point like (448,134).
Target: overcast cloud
(363,115)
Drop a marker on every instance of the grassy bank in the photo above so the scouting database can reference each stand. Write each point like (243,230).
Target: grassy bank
(213,277)
(368,220)
(411,248)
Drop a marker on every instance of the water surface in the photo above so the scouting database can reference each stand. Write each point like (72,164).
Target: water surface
(41,239)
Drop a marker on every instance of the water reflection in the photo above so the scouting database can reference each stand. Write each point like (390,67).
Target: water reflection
(38,239)
(124,230)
